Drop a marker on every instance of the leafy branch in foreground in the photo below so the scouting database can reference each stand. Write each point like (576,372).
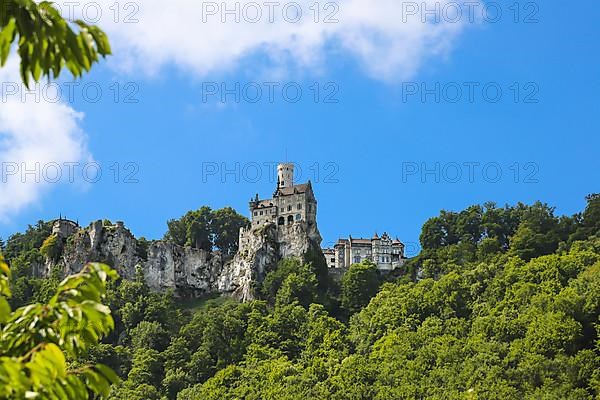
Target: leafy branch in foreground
(36,340)
(46,41)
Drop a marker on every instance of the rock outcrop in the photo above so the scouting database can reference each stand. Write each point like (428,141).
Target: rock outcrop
(188,271)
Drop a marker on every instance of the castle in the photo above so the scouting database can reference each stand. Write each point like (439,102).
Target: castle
(290,202)
(296,205)
(291,208)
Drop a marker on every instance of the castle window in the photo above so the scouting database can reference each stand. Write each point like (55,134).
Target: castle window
(299,206)
(261,213)
(290,208)
(290,219)
(281,221)
(255,213)
(357,259)
(298,217)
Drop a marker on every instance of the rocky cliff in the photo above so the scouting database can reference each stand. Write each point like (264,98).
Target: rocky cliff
(260,251)
(188,271)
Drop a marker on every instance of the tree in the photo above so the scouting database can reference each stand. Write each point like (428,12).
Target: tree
(175,381)
(23,243)
(199,233)
(36,340)
(359,285)
(177,231)
(193,229)
(149,335)
(51,247)
(299,286)
(591,215)
(526,243)
(274,279)
(589,220)
(226,224)
(440,231)
(204,228)
(47,42)
(469,224)
(146,368)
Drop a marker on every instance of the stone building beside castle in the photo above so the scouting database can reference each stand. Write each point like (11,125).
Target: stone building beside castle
(384,252)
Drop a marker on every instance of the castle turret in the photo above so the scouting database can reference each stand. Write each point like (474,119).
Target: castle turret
(285,175)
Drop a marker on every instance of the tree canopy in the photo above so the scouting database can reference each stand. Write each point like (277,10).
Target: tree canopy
(488,310)
(205,229)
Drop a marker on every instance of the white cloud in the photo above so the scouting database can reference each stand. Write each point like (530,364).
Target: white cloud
(383,36)
(33,134)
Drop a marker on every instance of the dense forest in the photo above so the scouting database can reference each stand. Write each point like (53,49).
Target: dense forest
(501,303)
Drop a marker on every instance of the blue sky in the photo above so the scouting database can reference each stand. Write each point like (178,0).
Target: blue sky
(369,148)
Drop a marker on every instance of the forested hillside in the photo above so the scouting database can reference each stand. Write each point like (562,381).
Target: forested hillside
(501,303)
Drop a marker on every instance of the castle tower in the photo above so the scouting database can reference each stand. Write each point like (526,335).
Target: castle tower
(285,175)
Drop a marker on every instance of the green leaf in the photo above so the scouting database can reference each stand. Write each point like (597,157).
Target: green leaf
(7,36)
(4,310)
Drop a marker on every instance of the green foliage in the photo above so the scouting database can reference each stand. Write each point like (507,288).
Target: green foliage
(205,229)
(225,227)
(275,279)
(503,303)
(457,240)
(134,302)
(36,340)
(51,248)
(46,42)
(149,335)
(298,287)
(359,285)
(22,244)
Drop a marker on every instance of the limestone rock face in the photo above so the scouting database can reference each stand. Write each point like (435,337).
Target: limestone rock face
(113,245)
(260,250)
(258,253)
(188,271)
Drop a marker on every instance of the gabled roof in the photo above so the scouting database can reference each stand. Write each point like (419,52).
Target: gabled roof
(265,203)
(296,189)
